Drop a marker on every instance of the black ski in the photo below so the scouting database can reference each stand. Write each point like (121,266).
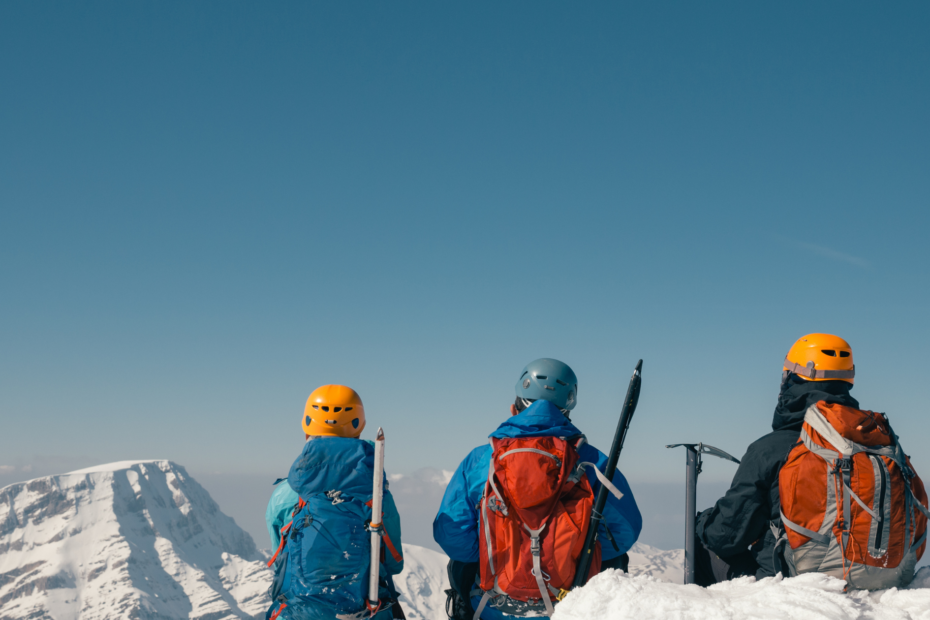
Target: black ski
(629,407)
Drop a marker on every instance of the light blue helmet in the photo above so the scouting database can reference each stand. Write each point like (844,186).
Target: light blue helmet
(551,380)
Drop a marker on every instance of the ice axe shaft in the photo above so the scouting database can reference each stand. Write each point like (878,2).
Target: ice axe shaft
(376,525)
(693,452)
(626,415)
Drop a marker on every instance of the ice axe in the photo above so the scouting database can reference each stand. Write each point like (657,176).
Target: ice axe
(377,530)
(693,452)
(597,514)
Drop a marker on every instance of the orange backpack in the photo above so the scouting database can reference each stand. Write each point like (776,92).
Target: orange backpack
(851,504)
(534,515)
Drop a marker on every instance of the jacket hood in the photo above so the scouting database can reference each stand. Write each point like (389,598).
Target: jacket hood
(541,419)
(797,395)
(334,464)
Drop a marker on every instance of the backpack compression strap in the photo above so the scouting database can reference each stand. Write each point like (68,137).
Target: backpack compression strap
(812,373)
(284,530)
(602,479)
(384,535)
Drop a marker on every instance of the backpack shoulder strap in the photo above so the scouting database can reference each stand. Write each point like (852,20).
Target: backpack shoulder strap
(287,527)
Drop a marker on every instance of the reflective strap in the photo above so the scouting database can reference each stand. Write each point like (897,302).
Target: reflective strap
(917,503)
(603,480)
(811,372)
(487,533)
(541,584)
(484,602)
(819,423)
(860,502)
(491,480)
(533,450)
(920,541)
(844,476)
(536,551)
(815,536)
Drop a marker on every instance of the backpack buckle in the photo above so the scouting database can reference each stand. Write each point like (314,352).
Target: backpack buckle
(535,546)
(844,464)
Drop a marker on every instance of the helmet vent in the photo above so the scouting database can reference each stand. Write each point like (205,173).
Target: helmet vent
(316,406)
(337,409)
(829,352)
(325,408)
(562,383)
(844,353)
(348,408)
(543,377)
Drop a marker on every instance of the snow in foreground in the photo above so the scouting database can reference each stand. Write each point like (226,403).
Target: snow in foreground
(614,595)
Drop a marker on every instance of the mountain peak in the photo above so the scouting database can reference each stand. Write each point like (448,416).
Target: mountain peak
(133,539)
(121,465)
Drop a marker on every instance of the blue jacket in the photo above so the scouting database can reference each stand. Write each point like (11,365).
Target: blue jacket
(456,526)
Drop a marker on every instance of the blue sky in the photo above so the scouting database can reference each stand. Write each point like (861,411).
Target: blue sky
(208,210)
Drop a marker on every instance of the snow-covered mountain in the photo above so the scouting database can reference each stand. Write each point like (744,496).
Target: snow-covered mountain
(125,540)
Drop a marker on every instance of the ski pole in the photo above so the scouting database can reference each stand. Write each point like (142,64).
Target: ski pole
(374,603)
(626,415)
(693,462)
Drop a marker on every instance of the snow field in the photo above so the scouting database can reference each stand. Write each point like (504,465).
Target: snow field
(614,595)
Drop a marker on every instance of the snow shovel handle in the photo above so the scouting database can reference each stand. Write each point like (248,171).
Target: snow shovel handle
(626,415)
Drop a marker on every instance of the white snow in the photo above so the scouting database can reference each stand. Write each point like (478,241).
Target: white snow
(137,539)
(614,595)
(423,583)
(662,565)
(118,466)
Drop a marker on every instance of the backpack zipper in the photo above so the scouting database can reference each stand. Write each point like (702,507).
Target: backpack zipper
(534,450)
(879,506)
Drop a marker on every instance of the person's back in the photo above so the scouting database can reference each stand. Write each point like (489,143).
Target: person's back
(741,532)
(539,412)
(318,518)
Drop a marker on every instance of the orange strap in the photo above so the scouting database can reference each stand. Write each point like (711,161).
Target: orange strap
(277,613)
(387,543)
(283,533)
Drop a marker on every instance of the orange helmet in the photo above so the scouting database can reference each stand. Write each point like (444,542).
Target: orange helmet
(821,357)
(334,411)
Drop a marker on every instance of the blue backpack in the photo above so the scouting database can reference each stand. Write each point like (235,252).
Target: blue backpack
(322,566)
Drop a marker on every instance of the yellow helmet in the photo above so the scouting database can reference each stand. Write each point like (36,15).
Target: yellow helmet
(821,357)
(334,411)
